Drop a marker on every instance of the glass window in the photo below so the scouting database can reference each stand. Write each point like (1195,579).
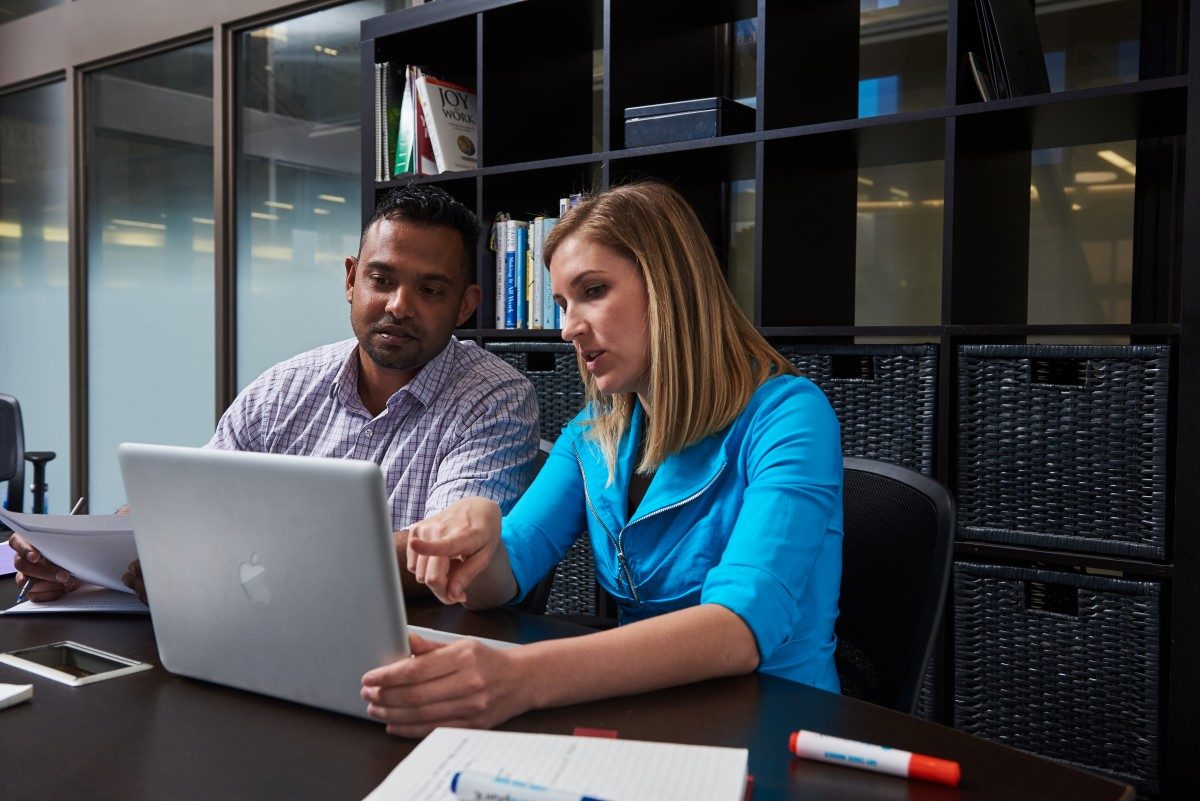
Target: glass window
(149,157)
(898,272)
(14,9)
(298,187)
(34,364)
(902,56)
(1081,215)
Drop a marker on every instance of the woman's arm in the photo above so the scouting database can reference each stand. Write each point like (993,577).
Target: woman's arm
(468,684)
(457,555)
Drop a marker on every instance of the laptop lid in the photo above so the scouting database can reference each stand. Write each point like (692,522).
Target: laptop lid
(270,573)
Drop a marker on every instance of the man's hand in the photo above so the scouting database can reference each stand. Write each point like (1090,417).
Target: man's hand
(133,580)
(50,582)
(463,683)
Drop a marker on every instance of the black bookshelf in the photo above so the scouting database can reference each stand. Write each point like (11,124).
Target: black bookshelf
(808,135)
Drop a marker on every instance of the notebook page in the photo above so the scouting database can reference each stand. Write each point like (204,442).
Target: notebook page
(615,770)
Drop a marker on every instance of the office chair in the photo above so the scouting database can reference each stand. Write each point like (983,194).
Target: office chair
(899,533)
(13,457)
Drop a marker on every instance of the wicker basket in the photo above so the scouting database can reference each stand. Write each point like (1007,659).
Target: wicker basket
(1062,665)
(883,396)
(1064,447)
(552,368)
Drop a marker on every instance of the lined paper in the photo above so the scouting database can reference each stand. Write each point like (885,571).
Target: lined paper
(615,770)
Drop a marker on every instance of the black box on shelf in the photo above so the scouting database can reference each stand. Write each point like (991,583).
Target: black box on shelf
(1061,664)
(552,369)
(883,396)
(702,118)
(1064,447)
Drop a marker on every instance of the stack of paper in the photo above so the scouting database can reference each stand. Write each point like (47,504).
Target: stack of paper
(618,770)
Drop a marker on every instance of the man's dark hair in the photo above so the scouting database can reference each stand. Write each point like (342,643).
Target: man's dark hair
(426,204)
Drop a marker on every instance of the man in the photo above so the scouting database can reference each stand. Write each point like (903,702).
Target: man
(444,419)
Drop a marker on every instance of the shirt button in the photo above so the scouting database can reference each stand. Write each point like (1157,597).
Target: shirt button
(367,432)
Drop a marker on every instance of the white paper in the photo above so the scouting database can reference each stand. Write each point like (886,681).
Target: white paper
(11,694)
(6,560)
(615,770)
(85,599)
(95,549)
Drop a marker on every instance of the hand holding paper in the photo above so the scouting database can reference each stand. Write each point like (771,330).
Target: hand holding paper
(96,549)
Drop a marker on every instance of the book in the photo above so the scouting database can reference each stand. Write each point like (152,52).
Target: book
(449,110)
(510,274)
(549,308)
(536,280)
(499,230)
(520,276)
(598,767)
(1016,62)
(404,160)
(979,74)
(378,94)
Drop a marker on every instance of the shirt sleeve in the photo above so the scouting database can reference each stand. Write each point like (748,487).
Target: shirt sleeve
(240,427)
(791,510)
(492,451)
(548,518)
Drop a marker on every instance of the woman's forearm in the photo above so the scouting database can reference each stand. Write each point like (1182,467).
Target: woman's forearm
(701,642)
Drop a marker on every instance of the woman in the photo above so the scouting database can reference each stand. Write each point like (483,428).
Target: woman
(707,473)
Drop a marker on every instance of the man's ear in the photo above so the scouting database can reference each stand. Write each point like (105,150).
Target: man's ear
(351,263)
(470,301)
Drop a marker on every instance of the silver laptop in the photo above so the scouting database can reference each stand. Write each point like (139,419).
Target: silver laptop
(275,574)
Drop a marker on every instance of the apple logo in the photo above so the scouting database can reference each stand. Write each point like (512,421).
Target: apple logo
(254,580)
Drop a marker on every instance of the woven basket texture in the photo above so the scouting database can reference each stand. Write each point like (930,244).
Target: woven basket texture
(885,401)
(1081,688)
(560,397)
(1064,447)
(559,390)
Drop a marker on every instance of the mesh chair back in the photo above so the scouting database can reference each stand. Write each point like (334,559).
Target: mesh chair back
(12,452)
(899,531)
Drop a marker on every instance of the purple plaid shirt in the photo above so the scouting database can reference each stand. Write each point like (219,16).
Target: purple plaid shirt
(466,425)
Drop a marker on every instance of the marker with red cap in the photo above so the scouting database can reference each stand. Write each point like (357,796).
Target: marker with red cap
(880,758)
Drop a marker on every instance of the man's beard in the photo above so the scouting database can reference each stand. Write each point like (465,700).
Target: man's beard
(401,354)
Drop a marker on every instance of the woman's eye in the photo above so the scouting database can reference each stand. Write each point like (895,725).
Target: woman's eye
(594,291)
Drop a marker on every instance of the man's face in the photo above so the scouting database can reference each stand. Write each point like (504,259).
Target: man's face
(407,292)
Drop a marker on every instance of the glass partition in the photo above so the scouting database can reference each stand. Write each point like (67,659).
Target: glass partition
(34,362)
(299,84)
(150,291)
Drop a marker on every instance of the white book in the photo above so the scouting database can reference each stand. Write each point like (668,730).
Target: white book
(629,770)
(536,311)
(449,110)
(499,237)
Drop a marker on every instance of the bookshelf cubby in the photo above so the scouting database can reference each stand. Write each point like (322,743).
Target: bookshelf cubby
(971,214)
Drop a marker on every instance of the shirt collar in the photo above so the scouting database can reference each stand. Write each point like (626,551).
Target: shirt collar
(424,386)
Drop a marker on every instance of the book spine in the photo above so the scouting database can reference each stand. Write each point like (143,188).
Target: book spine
(520,286)
(548,308)
(439,157)
(378,88)
(406,129)
(537,284)
(510,274)
(499,234)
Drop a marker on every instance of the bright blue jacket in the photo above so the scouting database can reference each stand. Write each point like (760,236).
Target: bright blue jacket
(749,518)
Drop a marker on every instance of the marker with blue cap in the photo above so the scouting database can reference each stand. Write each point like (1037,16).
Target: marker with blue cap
(469,786)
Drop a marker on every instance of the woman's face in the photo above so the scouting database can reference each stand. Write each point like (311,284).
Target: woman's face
(604,301)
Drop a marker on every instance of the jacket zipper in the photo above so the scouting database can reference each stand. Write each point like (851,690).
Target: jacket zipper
(617,542)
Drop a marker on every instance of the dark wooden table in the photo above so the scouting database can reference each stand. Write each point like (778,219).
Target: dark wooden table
(153,735)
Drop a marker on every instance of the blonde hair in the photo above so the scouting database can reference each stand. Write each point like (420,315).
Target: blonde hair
(706,358)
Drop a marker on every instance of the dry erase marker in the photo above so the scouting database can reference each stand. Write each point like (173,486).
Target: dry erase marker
(469,786)
(880,758)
